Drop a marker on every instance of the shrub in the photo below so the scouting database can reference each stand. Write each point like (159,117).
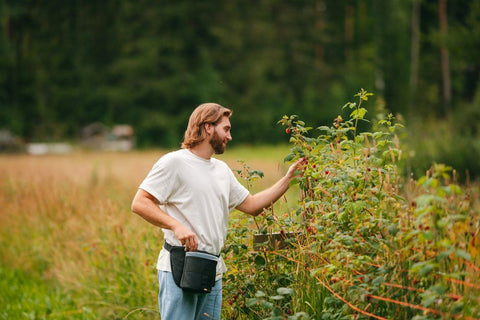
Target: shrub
(367,242)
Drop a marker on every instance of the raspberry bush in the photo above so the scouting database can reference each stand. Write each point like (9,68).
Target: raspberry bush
(368,242)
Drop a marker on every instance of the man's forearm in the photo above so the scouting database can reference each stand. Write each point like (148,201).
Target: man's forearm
(254,204)
(268,196)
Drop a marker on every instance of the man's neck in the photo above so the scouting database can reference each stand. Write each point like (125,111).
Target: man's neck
(203,150)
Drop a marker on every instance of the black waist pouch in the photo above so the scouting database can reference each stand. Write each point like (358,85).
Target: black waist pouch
(192,271)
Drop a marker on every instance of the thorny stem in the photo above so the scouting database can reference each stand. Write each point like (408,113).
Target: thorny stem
(355,130)
(356,120)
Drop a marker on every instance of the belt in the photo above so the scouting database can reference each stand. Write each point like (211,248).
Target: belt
(169,247)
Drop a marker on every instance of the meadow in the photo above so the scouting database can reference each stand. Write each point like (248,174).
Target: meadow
(70,248)
(368,242)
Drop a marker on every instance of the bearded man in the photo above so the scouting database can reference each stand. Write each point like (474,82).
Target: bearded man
(189,194)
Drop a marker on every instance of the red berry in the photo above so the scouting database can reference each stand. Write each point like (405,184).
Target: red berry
(287,131)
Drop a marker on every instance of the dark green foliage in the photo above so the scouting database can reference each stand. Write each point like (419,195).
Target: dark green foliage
(65,64)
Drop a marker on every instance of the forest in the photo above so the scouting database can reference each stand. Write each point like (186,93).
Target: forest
(66,64)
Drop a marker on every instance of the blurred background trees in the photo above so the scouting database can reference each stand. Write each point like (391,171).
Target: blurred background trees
(65,64)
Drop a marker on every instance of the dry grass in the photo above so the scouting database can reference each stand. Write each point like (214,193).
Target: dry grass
(67,219)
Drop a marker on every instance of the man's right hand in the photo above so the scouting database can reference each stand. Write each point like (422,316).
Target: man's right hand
(186,237)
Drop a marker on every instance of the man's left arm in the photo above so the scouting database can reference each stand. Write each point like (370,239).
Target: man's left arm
(254,204)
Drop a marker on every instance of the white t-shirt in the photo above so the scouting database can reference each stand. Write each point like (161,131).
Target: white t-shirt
(200,194)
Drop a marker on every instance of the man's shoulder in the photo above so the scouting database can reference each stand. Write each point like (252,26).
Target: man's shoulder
(171,157)
(179,153)
(220,163)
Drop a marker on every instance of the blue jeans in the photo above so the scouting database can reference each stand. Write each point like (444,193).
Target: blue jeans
(176,304)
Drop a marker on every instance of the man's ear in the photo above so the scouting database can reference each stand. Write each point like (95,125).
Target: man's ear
(209,128)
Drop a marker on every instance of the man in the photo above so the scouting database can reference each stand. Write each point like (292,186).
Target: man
(189,194)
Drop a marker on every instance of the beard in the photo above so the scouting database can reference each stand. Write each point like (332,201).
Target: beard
(217,144)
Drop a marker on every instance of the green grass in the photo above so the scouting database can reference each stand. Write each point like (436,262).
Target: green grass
(25,295)
(71,249)
(69,246)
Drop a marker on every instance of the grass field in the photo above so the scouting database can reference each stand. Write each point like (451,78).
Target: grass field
(70,248)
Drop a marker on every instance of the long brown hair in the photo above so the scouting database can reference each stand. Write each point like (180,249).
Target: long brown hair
(205,113)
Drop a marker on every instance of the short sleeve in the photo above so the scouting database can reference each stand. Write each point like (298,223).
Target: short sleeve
(160,181)
(238,193)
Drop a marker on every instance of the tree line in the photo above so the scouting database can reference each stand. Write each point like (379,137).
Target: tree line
(65,64)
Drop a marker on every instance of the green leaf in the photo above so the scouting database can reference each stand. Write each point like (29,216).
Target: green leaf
(285,291)
(299,315)
(259,261)
(294,181)
(378,281)
(425,269)
(429,300)
(422,268)
(277,314)
(457,306)
(313,272)
(442,223)
(428,235)
(378,134)
(324,128)
(463,254)
(351,105)
(438,288)
(289,157)
(266,304)
(256,172)
(455,188)
(252,302)
(358,113)
(392,229)
(444,254)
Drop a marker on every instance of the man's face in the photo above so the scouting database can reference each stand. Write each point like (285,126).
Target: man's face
(221,135)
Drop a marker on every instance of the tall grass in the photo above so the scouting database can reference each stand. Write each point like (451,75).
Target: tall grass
(66,222)
(71,249)
(70,246)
